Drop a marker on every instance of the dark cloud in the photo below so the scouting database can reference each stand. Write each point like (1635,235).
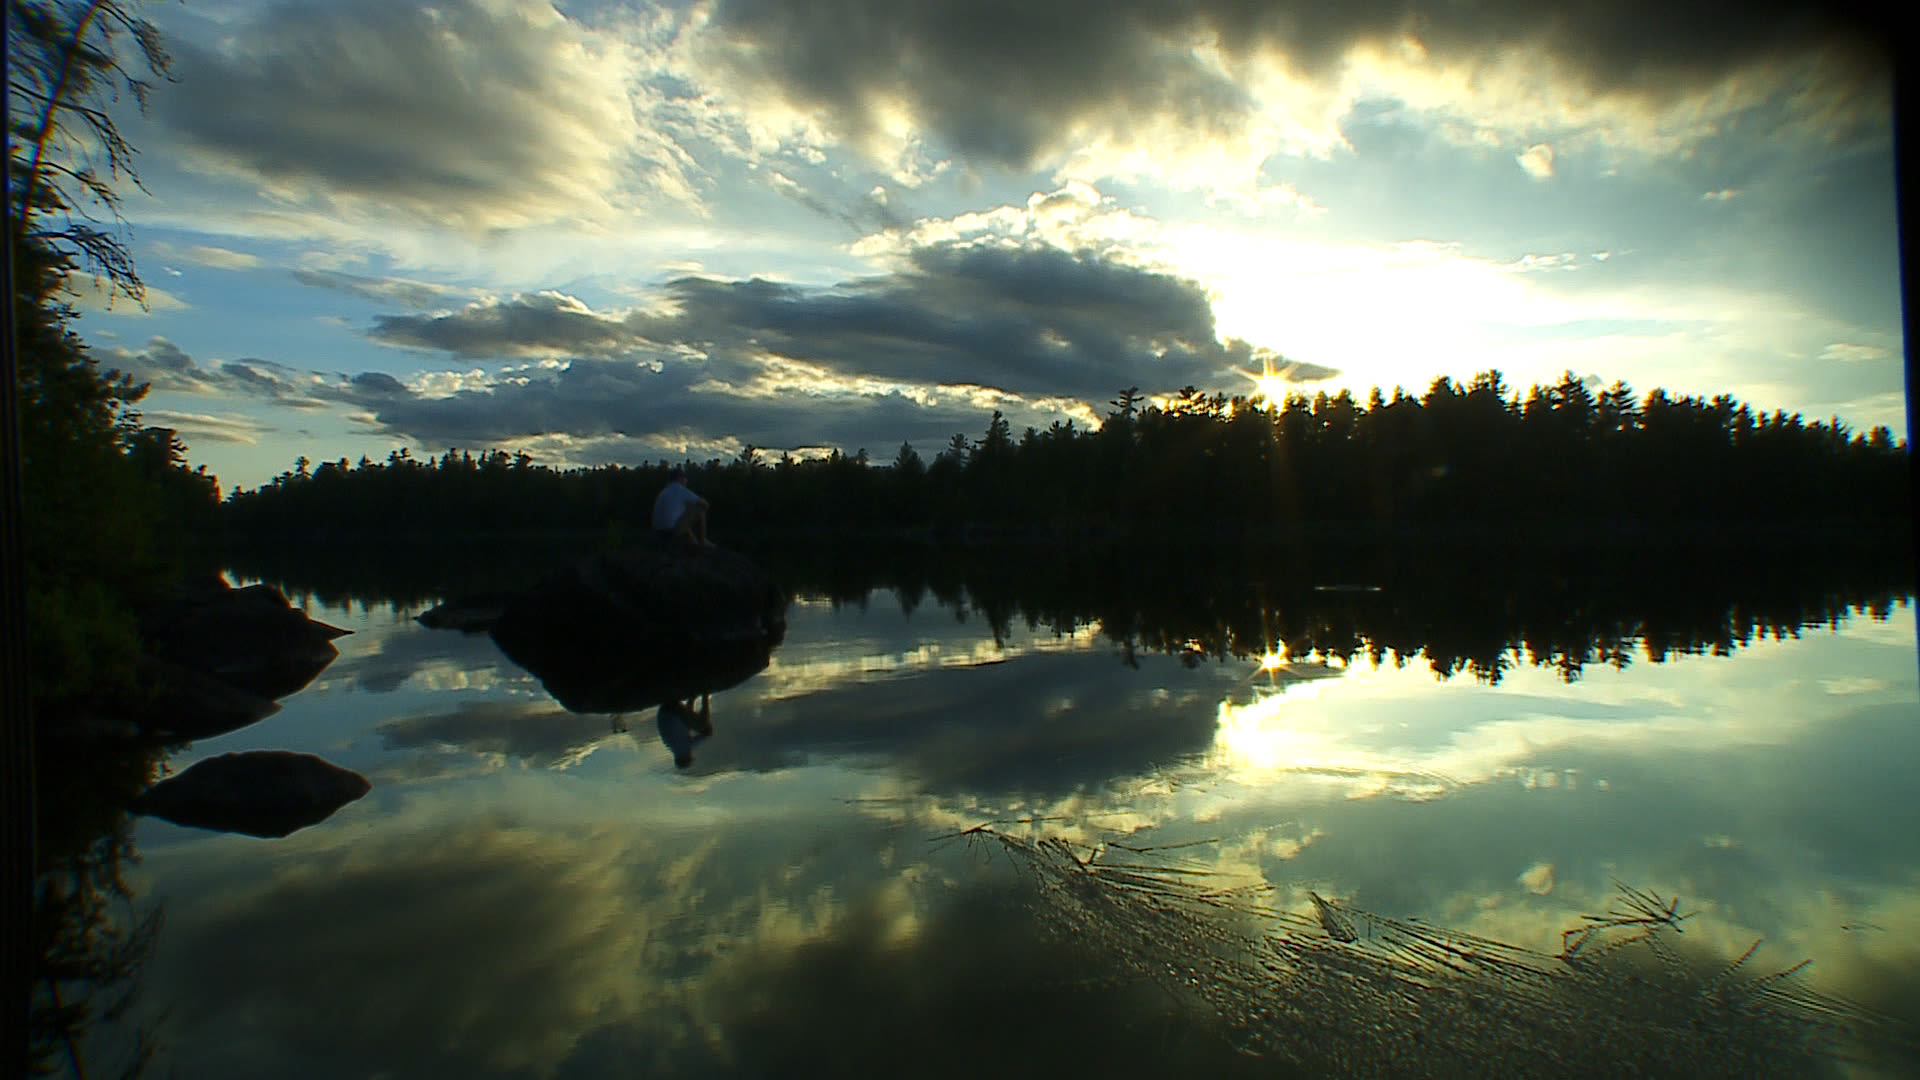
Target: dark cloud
(378,384)
(541,324)
(1007,82)
(645,413)
(1029,323)
(1024,325)
(466,112)
(166,368)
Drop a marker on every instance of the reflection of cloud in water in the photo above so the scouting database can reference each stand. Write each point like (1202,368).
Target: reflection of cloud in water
(1045,721)
(429,947)
(1783,834)
(388,658)
(794,673)
(538,733)
(477,949)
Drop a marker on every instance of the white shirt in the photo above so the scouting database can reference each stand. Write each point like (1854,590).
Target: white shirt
(673,500)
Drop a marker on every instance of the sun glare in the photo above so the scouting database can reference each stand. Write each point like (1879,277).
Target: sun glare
(1270,385)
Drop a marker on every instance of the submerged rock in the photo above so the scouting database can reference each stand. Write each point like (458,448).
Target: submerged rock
(257,792)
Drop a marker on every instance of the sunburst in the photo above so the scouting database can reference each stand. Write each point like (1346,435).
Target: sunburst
(1272,384)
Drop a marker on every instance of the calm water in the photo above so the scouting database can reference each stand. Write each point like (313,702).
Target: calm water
(532,892)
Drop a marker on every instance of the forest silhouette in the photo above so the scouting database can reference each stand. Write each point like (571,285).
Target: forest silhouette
(1560,460)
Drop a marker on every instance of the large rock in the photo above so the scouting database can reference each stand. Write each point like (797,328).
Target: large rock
(258,792)
(628,629)
(650,596)
(249,638)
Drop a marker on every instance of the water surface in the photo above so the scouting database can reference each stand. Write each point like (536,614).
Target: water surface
(532,892)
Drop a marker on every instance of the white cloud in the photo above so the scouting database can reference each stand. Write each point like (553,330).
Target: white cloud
(218,258)
(480,114)
(1853,353)
(1537,161)
(210,427)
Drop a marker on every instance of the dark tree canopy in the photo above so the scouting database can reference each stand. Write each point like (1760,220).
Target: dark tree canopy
(1461,458)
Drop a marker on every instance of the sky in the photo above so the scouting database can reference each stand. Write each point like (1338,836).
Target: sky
(609,231)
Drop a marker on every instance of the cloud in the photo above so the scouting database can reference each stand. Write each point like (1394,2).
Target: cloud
(537,324)
(1853,353)
(90,293)
(476,113)
(206,427)
(860,213)
(1720,195)
(218,258)
(599,410)
(953,330)
(1537,161)
(1212,89)
(413,294)
(166,368)
(541,735)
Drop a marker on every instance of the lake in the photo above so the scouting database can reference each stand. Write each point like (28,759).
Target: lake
(1342,824)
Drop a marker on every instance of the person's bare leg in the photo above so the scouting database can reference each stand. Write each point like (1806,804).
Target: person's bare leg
(692,527)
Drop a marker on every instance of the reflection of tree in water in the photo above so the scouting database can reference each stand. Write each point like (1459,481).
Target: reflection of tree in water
(91,937)
(1339,991)
(1464,609)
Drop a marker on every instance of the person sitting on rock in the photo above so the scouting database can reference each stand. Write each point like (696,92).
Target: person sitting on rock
(678,512)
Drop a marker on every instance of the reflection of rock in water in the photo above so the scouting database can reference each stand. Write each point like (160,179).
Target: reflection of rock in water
(1346,992)
(257,792)
(594,681)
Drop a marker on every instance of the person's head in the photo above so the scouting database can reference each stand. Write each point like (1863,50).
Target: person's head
(677,475)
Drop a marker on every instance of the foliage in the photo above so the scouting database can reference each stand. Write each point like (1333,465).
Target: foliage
(64,72)
(104,501)
(1474,458)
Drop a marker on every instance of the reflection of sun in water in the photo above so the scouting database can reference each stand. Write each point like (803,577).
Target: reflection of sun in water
(1256,736)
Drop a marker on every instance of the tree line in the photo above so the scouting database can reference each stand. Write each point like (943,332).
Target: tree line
(1472,456)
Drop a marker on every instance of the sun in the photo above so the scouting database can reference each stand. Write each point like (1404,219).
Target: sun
(1271,385)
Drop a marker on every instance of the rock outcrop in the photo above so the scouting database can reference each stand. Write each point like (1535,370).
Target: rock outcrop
(250,638)
(265,793)
(218,657)
(628,629)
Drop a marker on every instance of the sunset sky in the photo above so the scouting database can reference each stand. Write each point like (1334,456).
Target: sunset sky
(618,232)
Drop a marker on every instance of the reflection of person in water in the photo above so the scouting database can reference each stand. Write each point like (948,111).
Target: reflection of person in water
(681,725)
(678,512)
